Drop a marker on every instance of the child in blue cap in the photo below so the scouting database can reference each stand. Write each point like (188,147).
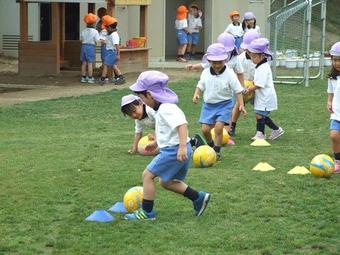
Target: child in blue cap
(172,163)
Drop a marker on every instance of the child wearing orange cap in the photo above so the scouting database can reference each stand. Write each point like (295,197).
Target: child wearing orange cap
(181,25)
(112,52)
(89,37)
(235,28)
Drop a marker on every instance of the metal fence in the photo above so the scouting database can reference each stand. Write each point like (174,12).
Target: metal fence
(297,35)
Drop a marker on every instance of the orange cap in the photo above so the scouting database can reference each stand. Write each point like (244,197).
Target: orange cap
(234,13)
(90,18)
(105,19)
(111,21)
(181,12)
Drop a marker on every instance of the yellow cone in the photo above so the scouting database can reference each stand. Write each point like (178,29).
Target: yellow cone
(298,170)
(260,142)
(263,167)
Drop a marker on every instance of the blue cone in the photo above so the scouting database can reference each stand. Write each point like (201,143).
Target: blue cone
(118,208)
(100,216)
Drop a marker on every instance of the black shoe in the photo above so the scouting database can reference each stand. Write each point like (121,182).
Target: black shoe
(231,132)
(199,140)
(120,80)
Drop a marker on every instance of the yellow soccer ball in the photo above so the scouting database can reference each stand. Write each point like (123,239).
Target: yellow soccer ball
(143,142)
(133,198)
(225,138)
(204,156)
(250,96)
(322,165)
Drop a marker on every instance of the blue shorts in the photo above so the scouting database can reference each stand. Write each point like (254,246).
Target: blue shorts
(335,125)
(88,53)
(167,167)
(238,41)
(193,38)
(182,37)
(211,113)
(262,113)
(110,58)
(103,52)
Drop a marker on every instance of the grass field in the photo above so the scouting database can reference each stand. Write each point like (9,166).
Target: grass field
(62,159)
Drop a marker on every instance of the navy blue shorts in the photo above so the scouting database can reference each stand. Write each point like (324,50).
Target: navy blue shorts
(88,53)
(167,167)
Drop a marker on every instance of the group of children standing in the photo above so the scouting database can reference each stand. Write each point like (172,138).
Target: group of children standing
(102,29)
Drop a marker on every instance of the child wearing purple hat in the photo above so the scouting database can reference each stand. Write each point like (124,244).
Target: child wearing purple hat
(249,23)
(333,103)
(265,96)
(172,163)
(218,83)
(143,115)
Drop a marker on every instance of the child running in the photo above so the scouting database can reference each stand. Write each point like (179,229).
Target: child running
(333,103)
(265,96)
(172,163)
(217,84)
(89,37)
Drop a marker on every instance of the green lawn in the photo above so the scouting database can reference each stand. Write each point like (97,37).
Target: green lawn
(62,159)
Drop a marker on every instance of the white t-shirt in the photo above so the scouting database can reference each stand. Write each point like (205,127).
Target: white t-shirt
(194,23)
(103,34)
(168,117)
(257,29)
(235,64)
(265,95)
(148,122)
(180,24)
(89,36)
(112,40)
(218,88)
(235,31)
(334,88)
(248,67)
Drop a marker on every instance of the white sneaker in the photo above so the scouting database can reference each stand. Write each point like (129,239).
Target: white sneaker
(83,79)
(91,80)
(276,133)
(259,135)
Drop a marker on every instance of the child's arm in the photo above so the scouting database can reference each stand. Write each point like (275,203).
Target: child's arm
(134,146)
(182,148)
(240,77)
(329,102)
(197,67)
(241,108)
(117,51)
(196,95)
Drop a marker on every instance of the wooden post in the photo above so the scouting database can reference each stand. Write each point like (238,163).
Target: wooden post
(62,31)
(56,33)
(143,20)
(111,7)
(23,21)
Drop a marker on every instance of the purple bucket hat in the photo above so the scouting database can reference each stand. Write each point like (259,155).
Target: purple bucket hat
(248,38)
(227,40)
(155,82)
(249,15)
(335,50)
(128,99)
(215,52)
(260,45)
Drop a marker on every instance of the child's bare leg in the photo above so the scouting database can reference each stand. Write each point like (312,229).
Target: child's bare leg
(90,69)
(193,49)
(116,70)
(104,72)
(206,132)
(219,133)
(189,48)
(83,68)
(148,185)
(174,185)
(335,137)
(184,47)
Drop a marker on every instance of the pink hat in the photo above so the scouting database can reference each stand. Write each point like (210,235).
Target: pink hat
(227,40)
(248,38)
(335,50)
(215,52)
(260,45)
(249,15)
(128,99)
(155,82)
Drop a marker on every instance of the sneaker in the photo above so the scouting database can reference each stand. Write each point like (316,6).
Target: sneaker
(199,140)
(259,135)
(103,82)
(113,80)
(83,79)
(120,80)
(188,57)
(231,132)
(276,133)
(337,167)
(91,80)
(231,141)
(180,59)
(218,156)
(140,214)
(201,203)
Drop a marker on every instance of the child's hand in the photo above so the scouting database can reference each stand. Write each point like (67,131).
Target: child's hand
(245,92)
(329,107)
(151,146)
(195,99)
(243,110)
(182,153)
(189,67)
